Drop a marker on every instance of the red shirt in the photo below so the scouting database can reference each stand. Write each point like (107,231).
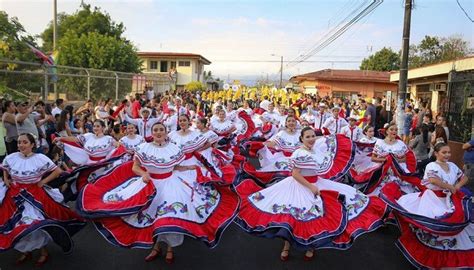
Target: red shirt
(136,107)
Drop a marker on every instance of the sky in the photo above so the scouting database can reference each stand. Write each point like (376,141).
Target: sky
(244,40)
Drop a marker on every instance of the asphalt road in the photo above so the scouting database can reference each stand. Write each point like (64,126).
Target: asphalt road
(237,250)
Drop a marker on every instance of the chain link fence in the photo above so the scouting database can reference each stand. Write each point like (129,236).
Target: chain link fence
(33,80)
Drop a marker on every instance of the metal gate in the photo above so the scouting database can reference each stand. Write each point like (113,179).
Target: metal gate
(459,115)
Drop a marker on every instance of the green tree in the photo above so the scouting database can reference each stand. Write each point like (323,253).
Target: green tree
(89,38)
(432,50)
(83,21)
(384,60)
(195,86)
(13,38)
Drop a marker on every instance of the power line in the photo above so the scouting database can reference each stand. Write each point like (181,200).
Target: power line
(327,35)
(278,61)
(338,33)
(467,15)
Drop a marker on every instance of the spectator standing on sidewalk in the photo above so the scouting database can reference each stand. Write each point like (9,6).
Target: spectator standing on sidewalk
(8,120)
(468,148)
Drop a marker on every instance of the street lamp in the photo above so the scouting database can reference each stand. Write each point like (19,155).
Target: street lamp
(281,69)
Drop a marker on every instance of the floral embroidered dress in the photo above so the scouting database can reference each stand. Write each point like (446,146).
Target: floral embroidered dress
(362,161)
(215,164)
(132,213)
(269,126)
(31,216)
(372,176)
(274,162)
(95,156)
(131,144)
(229,137)
(224,129)
(290,210)
(436,225)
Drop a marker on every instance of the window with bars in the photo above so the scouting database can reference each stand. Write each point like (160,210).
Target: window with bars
(153,64)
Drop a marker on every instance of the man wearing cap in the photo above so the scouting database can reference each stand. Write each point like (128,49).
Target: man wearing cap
(143,124)
(321,116)
(352,131)
(333,124)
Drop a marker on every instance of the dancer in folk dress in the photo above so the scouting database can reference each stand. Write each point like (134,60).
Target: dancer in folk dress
(31,213)
(436,223)
(306,209)
(158,197)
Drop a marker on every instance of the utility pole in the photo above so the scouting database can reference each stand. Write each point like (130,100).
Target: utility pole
(402,83)
(281,73)
(55,36)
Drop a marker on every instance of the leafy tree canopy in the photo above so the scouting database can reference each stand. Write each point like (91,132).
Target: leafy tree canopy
(90,38)
(430,50)
(384,60)
(12,39)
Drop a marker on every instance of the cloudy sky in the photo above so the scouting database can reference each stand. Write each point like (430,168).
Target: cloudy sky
(240,37)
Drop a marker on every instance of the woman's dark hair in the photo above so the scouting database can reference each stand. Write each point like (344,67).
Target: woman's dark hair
(161,124)
(390,125)
(102,123)
(441,133)
(30,137)
(85,117)
(48,109)
(425,130)
(439,145)
(75,122)
(303,131)
(203,121)
(7,104)
(184,115)
(70,109)
(40,103)
(289,116)
(117,128)
(367,128)
(62,122)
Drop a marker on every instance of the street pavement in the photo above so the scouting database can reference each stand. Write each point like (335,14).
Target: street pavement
(236,250)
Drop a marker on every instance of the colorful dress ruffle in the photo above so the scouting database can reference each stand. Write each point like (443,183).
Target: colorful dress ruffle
(131,213)
(95,157)
(215,165)
(274,162)
(132,144)
(31,216)
(289,210)
(436,225)
(370,177)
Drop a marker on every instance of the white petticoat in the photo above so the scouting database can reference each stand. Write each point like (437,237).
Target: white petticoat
(289,196)
(428,204)
(272,162)
(38,238)
(176,197)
